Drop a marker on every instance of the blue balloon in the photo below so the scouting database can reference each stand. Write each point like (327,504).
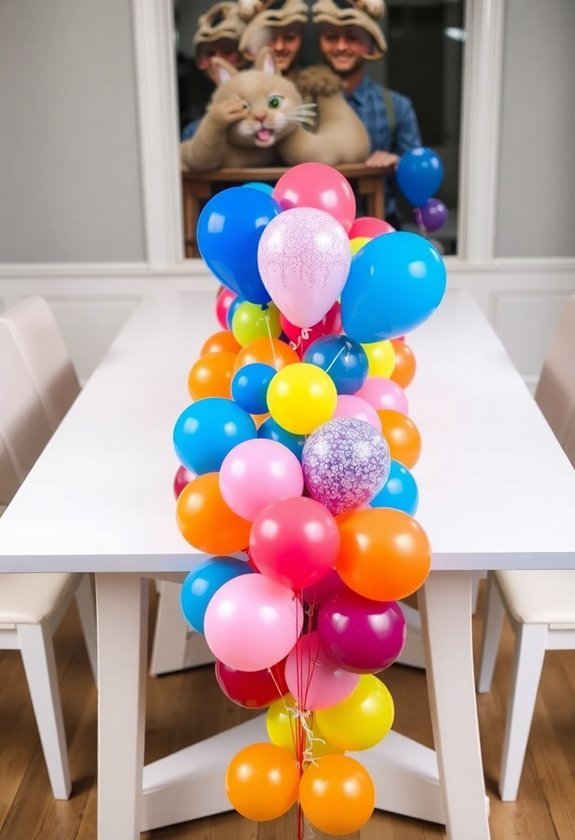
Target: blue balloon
(343,360)
(419,174)
(250,387)
(228,233)
(259,185)
(207,430)
(394,284)
(271,430)
(200,586)
(399,492)
(232,308)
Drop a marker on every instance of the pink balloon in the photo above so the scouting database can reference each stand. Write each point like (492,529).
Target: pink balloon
(369,226)
(313,678)
(295,542)
(383,393)
(301,338)
(252,627)
(224,299)
(320,186)
(304,260)
(256,473)
(350,405)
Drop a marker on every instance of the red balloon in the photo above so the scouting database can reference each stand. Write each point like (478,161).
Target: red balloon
(317,185)
(224,299)
(181,479)
(252,689)
(369,226)
(295,542)
(302,337)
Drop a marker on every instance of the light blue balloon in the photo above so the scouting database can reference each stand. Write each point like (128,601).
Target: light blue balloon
(259,185)
(419,174)
(399,491)
(207,430)
(203,582)
(395,283)
(250,386)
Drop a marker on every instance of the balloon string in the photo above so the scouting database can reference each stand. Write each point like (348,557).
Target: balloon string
(267,320)
(335,358)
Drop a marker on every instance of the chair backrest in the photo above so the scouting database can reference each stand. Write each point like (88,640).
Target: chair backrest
(555,393)
(42,346)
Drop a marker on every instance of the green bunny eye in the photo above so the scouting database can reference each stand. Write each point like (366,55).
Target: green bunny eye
(274,101)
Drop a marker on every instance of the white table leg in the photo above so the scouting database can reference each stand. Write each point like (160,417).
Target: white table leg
(445,607)
(122,606)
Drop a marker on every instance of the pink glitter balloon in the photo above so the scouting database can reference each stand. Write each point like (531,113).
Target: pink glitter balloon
(304,260)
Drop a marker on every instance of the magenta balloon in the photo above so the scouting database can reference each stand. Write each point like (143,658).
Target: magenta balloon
(319,592)
(313,678)
(294,542)
(359,634)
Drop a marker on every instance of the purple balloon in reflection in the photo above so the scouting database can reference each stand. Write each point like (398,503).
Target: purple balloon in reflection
(432,215)
(345,463)
(361,635)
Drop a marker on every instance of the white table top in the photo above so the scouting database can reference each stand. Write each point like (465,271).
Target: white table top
(496,490)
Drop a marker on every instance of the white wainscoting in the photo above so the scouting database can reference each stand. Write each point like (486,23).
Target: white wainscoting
(522,298)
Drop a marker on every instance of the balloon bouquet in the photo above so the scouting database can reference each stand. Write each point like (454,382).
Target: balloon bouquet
(419,176)
(296,455)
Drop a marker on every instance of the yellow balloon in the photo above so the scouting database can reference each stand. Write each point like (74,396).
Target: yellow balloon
(301,397)
(381,358)
(357,243)
(362,719)
(252,320)
(282,729)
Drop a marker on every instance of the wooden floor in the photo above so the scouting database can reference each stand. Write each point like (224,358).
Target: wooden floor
(184,707)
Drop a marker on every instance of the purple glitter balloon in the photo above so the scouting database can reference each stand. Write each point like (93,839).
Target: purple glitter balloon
(361,635)
(432,215)
(345,463)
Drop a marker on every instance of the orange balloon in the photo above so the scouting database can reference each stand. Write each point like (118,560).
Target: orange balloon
(269,351)
(384,554)
(402,436)
(205,520)
(220,341)
(262,782)
(337,794)
(211,376)
(405,364)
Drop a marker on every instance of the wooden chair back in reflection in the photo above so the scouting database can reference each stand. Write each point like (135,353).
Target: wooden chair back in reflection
(197,187)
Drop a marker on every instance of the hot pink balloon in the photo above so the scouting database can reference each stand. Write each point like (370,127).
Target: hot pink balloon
(369,226)
(182,478)
(301,338)
(350,405)
(320,186)
(224,299)
(252,627)
(313,678)
(256,473)
(304,260)
(383,393)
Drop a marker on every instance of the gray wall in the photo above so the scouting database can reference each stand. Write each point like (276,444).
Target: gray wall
(536,198)
(70,185)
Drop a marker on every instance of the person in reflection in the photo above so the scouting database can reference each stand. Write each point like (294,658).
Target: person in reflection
(277,24)
(350,35)
(218,34)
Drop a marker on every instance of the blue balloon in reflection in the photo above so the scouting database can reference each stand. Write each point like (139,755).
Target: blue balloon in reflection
(399,492)
(259,185)
(343,360)
(250,387)
(207,430)
(419,174)
(228,234)
(394,284)
(271,430)
(200,586)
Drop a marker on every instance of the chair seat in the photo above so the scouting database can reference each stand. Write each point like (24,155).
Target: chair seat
(29,599)
(536,597)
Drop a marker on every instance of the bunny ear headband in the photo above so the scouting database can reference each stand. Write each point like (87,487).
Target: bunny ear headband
(262,14)
(361,13)
(222,20)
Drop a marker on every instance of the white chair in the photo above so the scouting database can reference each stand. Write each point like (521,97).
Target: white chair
(540,605)
(37,386)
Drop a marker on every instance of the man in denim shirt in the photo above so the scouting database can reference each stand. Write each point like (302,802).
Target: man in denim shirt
(349,35)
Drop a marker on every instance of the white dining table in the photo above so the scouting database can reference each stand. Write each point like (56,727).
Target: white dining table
(496,492)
